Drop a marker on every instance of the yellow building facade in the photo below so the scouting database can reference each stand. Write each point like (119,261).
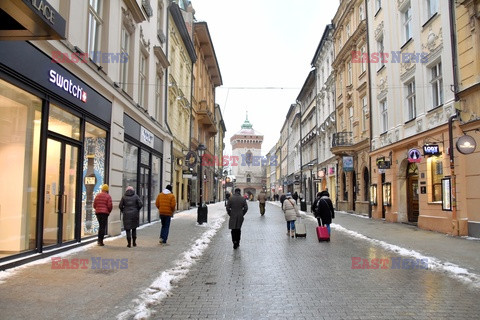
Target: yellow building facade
(181,55)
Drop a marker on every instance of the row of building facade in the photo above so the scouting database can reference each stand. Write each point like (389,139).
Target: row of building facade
(94,92)
(388,118)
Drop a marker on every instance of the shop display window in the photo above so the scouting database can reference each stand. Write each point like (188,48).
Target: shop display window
(20,123)
(93,175)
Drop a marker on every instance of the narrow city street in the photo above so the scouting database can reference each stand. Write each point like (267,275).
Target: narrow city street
(418,275)
(273,276)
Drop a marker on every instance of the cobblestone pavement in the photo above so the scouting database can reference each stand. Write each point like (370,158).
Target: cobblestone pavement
(272,276)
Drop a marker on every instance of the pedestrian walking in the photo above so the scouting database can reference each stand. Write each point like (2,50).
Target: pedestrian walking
(282,199)
(291,213)
(313,208)
(165,203)
(130,206)
(324,211)
(295,197)
(237,207)
(262,198)
(103,206)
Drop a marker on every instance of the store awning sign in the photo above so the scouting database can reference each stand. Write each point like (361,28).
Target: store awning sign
(414,155)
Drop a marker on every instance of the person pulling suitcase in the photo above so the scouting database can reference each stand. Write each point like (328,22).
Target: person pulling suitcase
(324,211)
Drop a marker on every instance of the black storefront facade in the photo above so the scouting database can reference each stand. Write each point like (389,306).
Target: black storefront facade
(142,165)
(54,154)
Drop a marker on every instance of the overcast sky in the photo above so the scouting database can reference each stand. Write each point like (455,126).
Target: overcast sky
(264,49)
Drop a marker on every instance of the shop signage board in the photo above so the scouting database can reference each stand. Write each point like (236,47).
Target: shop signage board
(414,155)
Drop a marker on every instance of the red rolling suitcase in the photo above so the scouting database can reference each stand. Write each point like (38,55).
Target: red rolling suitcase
(322,233)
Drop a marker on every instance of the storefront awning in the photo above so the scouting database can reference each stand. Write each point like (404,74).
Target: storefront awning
(30,20)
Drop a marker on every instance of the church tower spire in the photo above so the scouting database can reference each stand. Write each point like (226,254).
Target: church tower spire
(246,124)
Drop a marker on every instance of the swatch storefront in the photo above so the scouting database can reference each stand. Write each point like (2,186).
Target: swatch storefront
(54,133)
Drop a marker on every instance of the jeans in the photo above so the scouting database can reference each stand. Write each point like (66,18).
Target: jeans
(165,227)
(290,225)
(102,229)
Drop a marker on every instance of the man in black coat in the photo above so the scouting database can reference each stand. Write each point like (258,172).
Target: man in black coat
(236,208)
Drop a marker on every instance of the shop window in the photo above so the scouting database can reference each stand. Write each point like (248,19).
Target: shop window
(20,122)
(93,175)
(130,164)
(63,122)
(435,175)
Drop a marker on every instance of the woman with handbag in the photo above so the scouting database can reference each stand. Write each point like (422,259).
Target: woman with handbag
(291,214)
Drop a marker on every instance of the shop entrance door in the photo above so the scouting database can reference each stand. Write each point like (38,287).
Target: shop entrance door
(144,194)
(412,193)
(60,192)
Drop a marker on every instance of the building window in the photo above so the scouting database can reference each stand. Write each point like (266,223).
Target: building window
(364,113)
(378,5)
(160,22)
(410,101)
(347,28)
(249,178)
(340,82)
(158,98)
(384,113)
(436,82)
(350,119)
(435,170)
(363,63)
(361,14)
(432,8)
(94,26)
(124,48)
(142,81)
(407,22)
(350,73)
(380,50)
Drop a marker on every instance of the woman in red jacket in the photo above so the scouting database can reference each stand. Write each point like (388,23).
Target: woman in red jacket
(103,206)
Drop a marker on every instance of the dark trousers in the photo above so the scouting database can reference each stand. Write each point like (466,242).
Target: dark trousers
(165,227)
(262,208)
(102,229)
(236,235)
(131,232)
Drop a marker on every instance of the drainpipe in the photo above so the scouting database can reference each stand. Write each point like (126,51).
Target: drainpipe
(453,45)
(370,110)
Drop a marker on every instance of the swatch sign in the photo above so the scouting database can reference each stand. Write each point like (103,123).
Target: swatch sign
(67,85)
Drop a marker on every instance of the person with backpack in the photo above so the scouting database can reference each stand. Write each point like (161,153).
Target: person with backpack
(324,211)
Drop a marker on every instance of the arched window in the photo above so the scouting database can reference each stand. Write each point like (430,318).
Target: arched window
(249,157)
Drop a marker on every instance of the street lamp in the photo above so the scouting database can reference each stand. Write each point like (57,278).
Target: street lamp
(310,165)
(202,210)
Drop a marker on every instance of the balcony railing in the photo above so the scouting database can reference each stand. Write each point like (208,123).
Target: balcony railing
(342,139)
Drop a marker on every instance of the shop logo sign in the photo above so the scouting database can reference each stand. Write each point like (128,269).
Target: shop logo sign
(414,155)
(431,150)
(68,86)
(146,137)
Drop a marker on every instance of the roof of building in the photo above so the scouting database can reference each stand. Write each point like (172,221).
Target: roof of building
(247,129)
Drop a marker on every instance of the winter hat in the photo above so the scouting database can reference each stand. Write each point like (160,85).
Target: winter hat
(289,195)
(169,188)
(129,188)
(105,187)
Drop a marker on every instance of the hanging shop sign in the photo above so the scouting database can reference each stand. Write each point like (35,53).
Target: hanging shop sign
(382,163)
(431,150)
(466,144)
(191,159)
(331,170)
(347,163)
(414,155)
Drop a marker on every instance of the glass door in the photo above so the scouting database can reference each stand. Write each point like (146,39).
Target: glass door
(60,192)
(144,194)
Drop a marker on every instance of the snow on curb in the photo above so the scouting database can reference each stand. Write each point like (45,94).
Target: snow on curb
(161,286)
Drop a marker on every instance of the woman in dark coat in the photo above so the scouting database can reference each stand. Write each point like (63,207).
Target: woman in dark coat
(236,209)
(130,206)
(324,210)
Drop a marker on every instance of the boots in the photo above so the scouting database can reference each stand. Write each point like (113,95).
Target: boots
(134,241)
(292,233)
(129,240)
